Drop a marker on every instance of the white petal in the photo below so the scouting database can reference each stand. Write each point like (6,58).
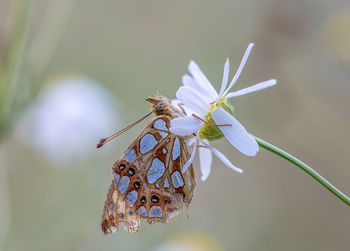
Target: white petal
(205,161)
(187,80)
(178,104)
(253,88)
(225,78)
(236,134)
(225,160)
(190,140)
(185,125)
(240,68)
(189,97)
(205,85)
(189,162)
(191,82)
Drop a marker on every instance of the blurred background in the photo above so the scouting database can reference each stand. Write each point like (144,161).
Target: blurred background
(72,72)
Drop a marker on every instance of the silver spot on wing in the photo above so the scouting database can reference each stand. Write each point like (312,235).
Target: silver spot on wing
(117,177)
(176,149)
(177,179)
(147,143)
(132,196)
(156,211)
(160,125)
(111,207)
(188,178)
(130,156)
(155,171)
(163,134)
(142,211)
(123,184)
(166,183)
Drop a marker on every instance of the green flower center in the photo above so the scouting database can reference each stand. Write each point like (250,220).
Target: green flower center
(212,132)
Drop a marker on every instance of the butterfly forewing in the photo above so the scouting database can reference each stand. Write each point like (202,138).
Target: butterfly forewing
(148,182)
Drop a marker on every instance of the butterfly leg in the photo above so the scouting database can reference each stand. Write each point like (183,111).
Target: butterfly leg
(207,123)
(182,109)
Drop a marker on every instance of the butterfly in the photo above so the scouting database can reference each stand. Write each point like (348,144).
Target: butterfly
(148,182)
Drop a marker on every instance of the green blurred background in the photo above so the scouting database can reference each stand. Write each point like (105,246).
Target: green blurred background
(107,56)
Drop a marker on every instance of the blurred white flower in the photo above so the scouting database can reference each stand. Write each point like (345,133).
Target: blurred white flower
(68,119)
(189,241)
(206,107)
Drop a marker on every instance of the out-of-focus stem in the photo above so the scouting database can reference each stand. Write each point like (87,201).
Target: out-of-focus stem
(9,80)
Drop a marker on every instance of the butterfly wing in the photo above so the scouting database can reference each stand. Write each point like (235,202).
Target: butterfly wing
(148,182)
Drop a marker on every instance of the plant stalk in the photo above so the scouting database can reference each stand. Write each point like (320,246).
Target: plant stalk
(305,168)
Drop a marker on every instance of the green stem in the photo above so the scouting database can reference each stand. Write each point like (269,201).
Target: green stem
(305,168)
(9,83)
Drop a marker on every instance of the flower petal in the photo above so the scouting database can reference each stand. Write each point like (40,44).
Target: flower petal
(184,126)
(225,78)
(236,134)
(205,160)
(189,97)
(253,88)
(190,140)
(225,160)
(191,82)
(202,80)
(240,68)
(189,162)
(178,104)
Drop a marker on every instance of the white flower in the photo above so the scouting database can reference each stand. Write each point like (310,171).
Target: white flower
(68,118)
(200,100)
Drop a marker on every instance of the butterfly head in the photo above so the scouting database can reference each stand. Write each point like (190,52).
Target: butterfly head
(162,105)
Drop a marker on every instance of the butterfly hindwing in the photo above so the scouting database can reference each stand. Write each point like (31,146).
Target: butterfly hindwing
(148,182)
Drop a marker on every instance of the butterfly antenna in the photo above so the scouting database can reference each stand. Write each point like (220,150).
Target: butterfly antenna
(105,140)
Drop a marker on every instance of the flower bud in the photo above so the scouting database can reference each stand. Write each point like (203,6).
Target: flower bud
(213,132)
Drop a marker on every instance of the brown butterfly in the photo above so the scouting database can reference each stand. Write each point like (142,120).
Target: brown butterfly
(148,182)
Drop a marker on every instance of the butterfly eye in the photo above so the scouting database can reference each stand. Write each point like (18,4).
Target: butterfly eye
(143,199)
(131,171)
(122,167)
(155,198)
(137,185)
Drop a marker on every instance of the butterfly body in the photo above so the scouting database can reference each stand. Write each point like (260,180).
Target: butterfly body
(148,182)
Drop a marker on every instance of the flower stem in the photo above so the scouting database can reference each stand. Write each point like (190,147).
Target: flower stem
(305,168)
